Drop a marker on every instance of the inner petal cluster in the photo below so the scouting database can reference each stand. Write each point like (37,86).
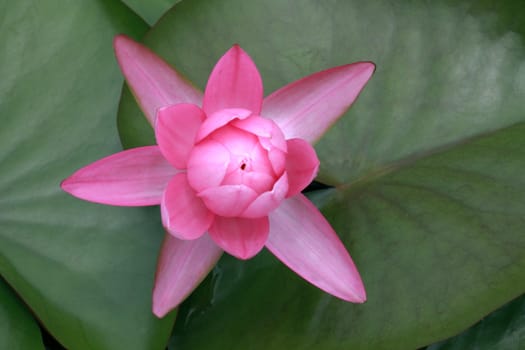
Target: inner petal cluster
(241,159)
(249,164)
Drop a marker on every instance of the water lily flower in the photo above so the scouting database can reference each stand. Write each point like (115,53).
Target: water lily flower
(228,170)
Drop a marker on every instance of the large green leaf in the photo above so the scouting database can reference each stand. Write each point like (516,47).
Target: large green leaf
(428,165)
(504,329)
(18,329)
(85,270)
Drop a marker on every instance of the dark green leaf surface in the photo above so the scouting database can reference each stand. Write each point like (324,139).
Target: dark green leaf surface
(150,10)
(504,329)
(18,328)
(85,270)
(428,164)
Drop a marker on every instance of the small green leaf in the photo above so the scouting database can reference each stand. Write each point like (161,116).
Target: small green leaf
(18,328)
(150,10)
(504,329)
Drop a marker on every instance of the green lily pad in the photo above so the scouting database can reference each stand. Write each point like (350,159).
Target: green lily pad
(85,270)
(18,328)
(427,167)
(504,329)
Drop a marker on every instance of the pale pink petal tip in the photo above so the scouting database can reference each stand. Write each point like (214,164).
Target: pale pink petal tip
(134,177)
(154,83)
(181,268)
(304,241)
(234,83)
(307,107)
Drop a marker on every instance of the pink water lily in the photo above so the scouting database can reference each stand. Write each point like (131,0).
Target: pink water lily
(228,170)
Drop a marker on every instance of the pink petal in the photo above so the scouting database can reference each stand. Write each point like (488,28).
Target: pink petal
(249,164)
(235,140)
(221,118)
(255,125)
(153,82)
(234,83)
(176,129)
(259,182)
(135,177)
(268,201)
(269,133)
(207,165)
(278,160)
(242,238)
(228,200)
(308,107)
(184,214)
(303,240)
(181,267)
(301,165)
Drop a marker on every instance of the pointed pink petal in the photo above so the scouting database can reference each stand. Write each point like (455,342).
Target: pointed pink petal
(176,129)
(228,200)
(242,238)
(303,240)
(135,177)
(181,267)
(184,214)
(153,82)
(234,83)
(268,201)
(301,165)
(308,107)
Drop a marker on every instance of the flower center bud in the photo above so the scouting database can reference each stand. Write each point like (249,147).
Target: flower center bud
(238,161)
